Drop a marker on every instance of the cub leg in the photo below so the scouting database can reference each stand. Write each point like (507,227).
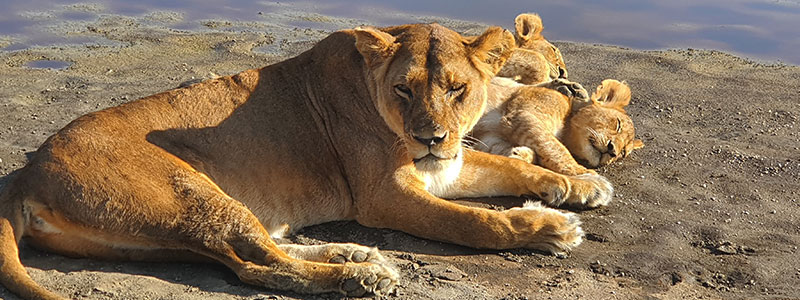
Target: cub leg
(550,152)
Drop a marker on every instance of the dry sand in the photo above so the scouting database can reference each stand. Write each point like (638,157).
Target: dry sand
(707,210)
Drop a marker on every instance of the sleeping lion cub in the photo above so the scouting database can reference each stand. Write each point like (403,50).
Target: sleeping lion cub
(554,124)
(527,119)
(535,60)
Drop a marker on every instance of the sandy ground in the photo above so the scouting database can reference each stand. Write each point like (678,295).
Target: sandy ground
(707,210)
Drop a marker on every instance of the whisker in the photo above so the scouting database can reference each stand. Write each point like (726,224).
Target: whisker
(475,141)
(468,144)
(598,136)
(397,146)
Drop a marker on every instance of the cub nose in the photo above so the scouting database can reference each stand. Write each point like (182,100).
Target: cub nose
(562,73)
(431,141)
(611,151)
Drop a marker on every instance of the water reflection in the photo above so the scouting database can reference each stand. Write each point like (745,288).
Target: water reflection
(762,29)
(48,64)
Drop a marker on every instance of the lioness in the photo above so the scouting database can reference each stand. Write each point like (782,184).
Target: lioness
(367,126)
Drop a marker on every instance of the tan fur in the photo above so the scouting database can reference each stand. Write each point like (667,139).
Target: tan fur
(541,125)
(367,126)
(535,60)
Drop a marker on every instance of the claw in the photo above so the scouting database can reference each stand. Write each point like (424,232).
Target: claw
(359,256)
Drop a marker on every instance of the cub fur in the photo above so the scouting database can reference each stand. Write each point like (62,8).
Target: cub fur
(555,123)
(535,60)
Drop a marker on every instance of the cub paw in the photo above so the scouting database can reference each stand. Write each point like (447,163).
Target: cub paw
(369,278)
(573,90)
(522,153)
(546,229)
(589,191)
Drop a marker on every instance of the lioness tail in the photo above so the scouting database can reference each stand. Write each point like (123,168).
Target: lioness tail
(12,274)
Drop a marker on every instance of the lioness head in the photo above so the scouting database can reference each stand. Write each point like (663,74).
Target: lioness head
(429,84)
(601,132)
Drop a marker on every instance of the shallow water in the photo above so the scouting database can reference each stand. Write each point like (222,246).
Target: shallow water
(759,29)
(48,64)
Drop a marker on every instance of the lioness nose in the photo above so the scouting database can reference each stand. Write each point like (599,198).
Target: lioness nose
(432,140)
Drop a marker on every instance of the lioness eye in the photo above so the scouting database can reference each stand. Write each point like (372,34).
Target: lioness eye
(456,91)
(403,91)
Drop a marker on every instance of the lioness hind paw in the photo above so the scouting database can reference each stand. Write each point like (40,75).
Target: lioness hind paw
(375,279)
(357,254)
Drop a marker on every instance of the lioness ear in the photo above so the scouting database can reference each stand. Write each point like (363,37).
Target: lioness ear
(528,26)
(613,93)
(490,51)
(638,144)
(374,45)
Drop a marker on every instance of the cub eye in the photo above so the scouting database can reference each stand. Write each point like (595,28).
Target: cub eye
(619,125)
(403,91)
(456,91)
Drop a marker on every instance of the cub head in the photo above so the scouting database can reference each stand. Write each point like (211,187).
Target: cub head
(602,132)
(529,39)
(429,84)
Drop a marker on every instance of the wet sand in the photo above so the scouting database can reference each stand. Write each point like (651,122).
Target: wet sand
(707,210)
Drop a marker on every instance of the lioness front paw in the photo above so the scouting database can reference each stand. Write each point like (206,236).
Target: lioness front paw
(580,191)
(589,191)
(369,278)
(546,229)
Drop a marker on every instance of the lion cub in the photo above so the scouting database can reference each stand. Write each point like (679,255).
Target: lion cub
(535,60)
(553,124)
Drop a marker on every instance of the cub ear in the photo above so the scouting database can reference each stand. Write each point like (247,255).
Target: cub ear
(638,144)
(374,45)
(528,26)
(613,93)
(490,50)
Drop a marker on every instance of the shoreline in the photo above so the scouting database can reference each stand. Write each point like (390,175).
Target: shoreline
(718,176)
